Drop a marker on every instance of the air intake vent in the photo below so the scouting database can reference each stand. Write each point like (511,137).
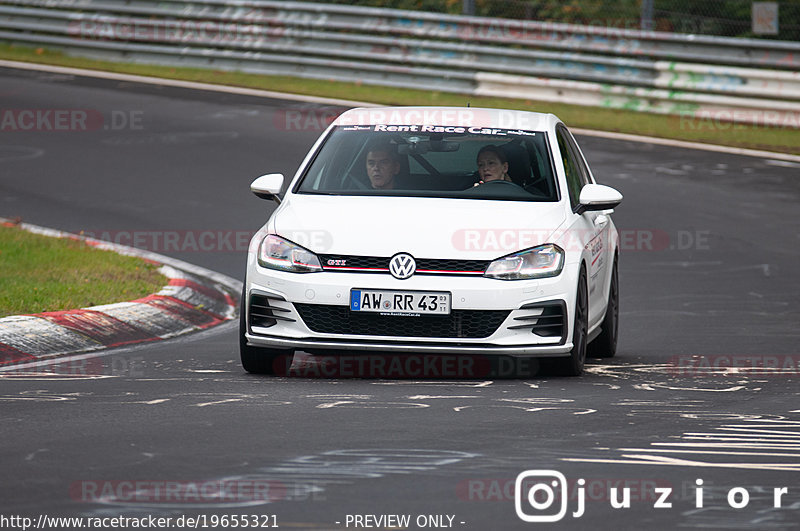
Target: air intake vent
(459,324)
(546,319)
(264,312)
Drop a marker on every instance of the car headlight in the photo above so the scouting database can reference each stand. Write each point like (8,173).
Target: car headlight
(283,255)
(539,262)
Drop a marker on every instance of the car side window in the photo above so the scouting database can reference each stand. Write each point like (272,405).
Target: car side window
(571,168)
(586,176)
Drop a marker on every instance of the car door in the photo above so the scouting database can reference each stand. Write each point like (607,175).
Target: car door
(588,228)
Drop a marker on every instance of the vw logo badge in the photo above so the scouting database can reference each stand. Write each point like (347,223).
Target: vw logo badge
(402,266)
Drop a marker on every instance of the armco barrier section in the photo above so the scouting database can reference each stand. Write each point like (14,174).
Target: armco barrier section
(739,80)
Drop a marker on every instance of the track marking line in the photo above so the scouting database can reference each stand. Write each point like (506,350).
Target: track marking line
(204,404)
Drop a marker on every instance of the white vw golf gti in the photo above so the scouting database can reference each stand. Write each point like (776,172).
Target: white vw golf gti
(439,231)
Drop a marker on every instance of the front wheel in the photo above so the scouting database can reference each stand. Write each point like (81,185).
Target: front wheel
(605,345)
(573,365)
(258,360)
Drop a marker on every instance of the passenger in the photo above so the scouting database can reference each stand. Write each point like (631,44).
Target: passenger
(383,165)
(492,165)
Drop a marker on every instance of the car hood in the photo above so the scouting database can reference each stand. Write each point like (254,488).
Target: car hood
(469,229)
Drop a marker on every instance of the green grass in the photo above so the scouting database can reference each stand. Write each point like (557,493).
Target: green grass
(755,137)
(41,273)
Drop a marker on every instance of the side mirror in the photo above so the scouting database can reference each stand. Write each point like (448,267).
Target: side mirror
(598,197)
(268,186)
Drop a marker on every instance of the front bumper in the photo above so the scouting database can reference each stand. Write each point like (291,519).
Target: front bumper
(291,332)
(422,347)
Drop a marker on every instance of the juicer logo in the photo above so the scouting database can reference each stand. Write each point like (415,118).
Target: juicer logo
(543,496)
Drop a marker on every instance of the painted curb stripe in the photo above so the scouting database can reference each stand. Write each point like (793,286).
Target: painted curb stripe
(41,338)
(204,290)
(104,329)
(9,354)
(155,322)
(183,310)
(198,296)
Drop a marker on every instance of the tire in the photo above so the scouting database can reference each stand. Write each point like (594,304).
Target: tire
(573,365)
(258,360)
(605,345)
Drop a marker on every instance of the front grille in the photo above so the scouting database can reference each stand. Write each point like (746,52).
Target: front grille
(425,266)
(330,319)
(547,319)
(460,266)
(264,312)
(359,262)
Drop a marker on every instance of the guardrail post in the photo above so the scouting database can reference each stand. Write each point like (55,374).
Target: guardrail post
(647,15)
(469,7)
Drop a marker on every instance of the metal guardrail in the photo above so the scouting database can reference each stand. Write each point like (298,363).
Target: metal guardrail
(742,80)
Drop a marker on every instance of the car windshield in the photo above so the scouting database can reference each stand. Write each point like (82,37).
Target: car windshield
(433,161)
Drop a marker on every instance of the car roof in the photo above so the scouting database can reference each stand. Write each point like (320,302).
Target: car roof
(448,116)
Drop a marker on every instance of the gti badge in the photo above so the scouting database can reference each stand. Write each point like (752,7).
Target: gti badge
(402,266)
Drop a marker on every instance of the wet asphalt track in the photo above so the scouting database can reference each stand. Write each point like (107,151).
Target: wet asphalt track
(714,274)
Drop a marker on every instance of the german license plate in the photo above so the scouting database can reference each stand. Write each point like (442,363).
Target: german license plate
(400,302)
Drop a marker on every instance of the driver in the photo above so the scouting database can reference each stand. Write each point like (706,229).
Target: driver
(492,165)
(383,165)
